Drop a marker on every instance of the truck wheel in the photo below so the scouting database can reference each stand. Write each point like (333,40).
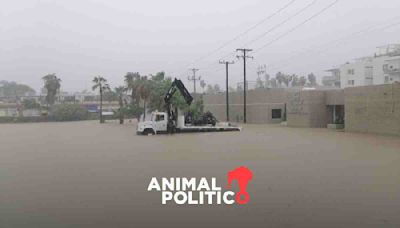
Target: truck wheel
(148,132)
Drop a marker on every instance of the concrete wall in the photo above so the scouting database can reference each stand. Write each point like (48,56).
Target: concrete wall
(373,109)
(303,108)
(334,97)
(307,109)
(260,103)
(369,109)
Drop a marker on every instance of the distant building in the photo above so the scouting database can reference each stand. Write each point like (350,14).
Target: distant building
(332,80)
(382,68)
(85,97)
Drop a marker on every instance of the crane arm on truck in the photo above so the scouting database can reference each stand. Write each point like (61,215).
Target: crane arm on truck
(176,85)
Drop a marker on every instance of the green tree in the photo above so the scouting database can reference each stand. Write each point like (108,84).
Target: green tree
(287,79)
(132,84)
(120,92)
(100,83)
(30,104)
(302,81)
(158,88)
(312,79)
(144,90)
(52,84)
(280,77)
(295,80)
(217,89)
(13,89)
(160,76)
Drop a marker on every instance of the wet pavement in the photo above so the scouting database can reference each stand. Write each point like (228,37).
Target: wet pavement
(83,174)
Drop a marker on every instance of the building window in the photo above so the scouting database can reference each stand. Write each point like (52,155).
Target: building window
(276,113)
(350,71)
(350,82)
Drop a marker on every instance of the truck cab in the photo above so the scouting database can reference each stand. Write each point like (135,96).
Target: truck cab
(156,125)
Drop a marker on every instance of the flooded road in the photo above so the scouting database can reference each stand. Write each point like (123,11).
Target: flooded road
(84,174)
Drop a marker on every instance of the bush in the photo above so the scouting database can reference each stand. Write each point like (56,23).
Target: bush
(23,119)
(132,111)
(69,112)
(30,104)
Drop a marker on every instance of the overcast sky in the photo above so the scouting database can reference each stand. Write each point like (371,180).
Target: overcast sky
(78,39)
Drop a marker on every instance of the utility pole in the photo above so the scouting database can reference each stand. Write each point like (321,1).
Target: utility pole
(244,56)
(227,85)
(194,79)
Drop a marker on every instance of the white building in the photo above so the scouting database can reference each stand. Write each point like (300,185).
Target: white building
(382,68)
(332,80)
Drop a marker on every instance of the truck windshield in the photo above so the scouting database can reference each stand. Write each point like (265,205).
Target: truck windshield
(157,117)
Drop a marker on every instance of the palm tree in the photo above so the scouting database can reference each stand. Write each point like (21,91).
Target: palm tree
(132,84)
(312,79)
(280,78)
(52,85)
(120,91)
(144,93)
(101,84)
(302,81)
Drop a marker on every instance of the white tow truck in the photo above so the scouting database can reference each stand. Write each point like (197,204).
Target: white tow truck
(159,125)
(171,122)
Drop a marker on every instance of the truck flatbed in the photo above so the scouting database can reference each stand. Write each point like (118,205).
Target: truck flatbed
(192,129)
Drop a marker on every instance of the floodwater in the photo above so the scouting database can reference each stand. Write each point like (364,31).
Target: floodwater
(84,174)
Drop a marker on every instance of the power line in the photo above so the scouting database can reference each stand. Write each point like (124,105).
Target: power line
(245,32)
(268,31)
(276,26)
(297,26)
(282,23)
(337,41)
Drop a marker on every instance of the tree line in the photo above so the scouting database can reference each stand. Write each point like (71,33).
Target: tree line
(287,80)
(137,94)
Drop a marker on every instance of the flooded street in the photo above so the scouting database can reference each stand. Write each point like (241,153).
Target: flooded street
(83,174)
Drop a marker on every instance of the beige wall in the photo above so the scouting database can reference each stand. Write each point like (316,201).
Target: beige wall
(373,109)
(304,108)
(334,97)
(369,109)
(260,103)
(307,109)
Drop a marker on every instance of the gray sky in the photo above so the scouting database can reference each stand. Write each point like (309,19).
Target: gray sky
(78,39)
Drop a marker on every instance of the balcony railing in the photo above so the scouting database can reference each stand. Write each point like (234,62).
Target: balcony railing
(388,70)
